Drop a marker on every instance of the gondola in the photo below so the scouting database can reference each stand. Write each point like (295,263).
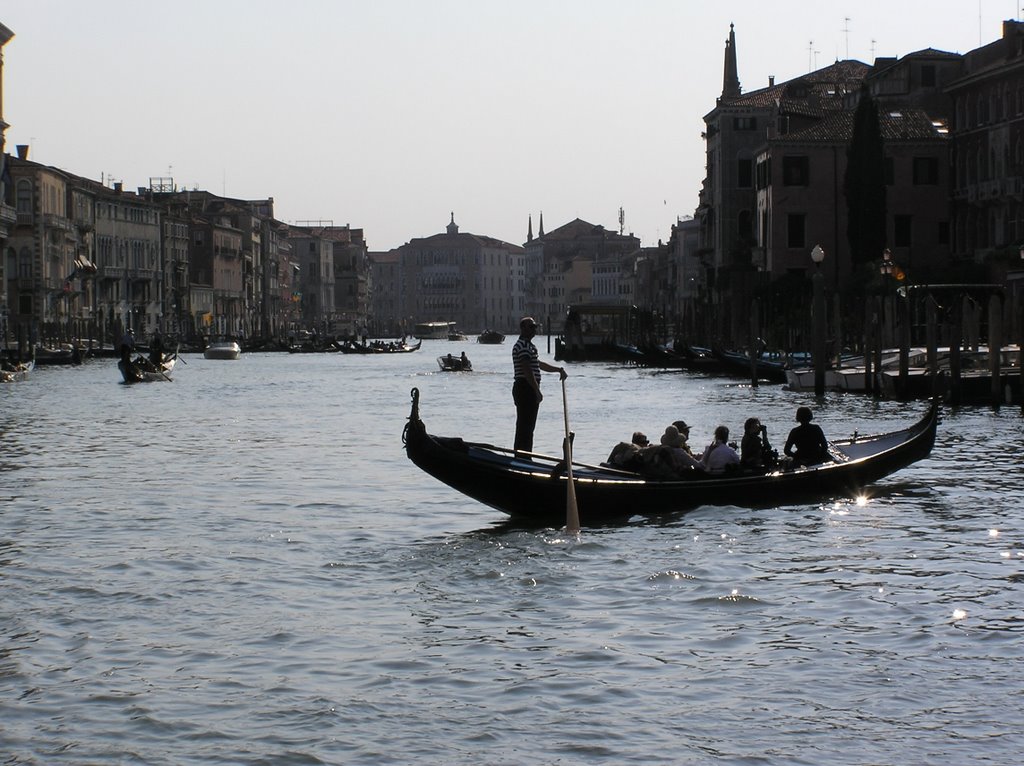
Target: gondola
(738,363)
(142,370)
(378,347)
(534,490)
(14,371)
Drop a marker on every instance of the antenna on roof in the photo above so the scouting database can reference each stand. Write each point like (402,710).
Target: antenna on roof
(622,221)
(846,30)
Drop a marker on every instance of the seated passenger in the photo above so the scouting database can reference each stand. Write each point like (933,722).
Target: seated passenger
(626,455)
(674,441)
(806,444)
(684,431)
(755,451)
(719,456)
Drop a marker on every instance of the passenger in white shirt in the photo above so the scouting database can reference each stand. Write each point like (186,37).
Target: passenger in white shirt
(718,455)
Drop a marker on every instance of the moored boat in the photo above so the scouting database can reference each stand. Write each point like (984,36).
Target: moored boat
(65,354)
(533,488)
(770,367)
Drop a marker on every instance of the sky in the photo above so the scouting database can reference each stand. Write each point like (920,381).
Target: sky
(391,115)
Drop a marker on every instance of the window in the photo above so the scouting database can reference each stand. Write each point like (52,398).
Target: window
(928,76)
(24,201)
(926,171)
(744,123)
(796,171)
(764,174)
(901,230)
(795,225)
(745,174)
(25,264)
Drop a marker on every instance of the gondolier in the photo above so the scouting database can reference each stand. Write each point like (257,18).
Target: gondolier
(526,385)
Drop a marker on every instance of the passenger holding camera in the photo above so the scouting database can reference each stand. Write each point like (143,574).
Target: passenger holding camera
(756,453)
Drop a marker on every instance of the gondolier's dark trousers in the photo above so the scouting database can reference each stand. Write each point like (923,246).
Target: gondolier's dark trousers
(526,414)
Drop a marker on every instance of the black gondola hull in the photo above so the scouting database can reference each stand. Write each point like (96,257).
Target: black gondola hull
(535,491)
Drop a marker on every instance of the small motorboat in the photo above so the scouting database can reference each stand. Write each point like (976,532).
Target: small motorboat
(223,349)
(490,336)
(449,363)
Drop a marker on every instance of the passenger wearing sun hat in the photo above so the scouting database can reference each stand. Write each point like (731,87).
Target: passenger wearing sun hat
(684,431)
(676,444)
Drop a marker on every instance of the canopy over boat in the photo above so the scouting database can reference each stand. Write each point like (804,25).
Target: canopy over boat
(534,489)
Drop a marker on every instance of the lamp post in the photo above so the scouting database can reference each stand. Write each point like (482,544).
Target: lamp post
(818,321)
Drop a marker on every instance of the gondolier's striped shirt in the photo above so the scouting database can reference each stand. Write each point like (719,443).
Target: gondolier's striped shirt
(524,360)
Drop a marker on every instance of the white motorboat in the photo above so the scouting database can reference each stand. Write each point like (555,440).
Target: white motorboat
(223,349)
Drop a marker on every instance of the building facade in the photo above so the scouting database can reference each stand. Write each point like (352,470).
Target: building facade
(459,277)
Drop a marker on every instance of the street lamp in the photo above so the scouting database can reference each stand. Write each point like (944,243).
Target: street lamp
(818,321)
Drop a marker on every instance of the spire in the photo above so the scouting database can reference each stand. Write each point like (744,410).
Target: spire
(731,81)
(529,229)
(453,228)
(540,231)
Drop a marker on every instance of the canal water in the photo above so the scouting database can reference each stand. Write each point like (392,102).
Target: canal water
(242,567)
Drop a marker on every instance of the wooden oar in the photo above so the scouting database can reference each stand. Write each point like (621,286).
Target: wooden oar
(141,364)
(572,514)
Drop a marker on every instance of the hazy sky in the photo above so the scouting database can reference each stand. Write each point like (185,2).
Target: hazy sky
(390,114)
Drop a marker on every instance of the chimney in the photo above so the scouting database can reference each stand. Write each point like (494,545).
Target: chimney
(22,151)
(771,81)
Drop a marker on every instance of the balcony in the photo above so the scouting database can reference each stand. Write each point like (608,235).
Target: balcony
(989,190)
(56,222)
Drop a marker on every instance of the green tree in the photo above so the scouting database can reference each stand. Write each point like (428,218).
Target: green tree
(864,184)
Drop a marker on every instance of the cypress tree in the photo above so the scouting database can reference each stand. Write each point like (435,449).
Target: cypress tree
(864,184)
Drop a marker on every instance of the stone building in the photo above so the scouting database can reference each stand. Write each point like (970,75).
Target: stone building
(800,200)
(563,266)
(776,163)
(988,136)
(351,277)
(8,214)
(468,279)
(386,310)
(313,254)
